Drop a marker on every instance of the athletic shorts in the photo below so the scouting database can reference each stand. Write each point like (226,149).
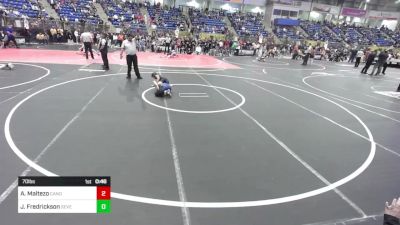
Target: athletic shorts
(159,93)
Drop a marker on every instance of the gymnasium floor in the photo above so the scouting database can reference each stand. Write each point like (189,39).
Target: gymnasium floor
(239,142)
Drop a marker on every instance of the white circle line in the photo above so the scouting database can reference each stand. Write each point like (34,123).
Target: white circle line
(286,199)
(271,62)
(194,111)
(344,65)
(341,97)
(388,88)
(31,81)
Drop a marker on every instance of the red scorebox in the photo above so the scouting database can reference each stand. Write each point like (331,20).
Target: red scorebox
(103,193)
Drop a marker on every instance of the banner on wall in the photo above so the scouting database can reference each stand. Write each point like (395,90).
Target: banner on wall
(284,2)
(383,15)
(353,12)
(231,1)
(304,6)
(255,2)
(323,8)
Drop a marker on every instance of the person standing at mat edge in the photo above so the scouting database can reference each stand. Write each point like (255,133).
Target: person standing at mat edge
(368,62)
(103,48)
(385,65)
(359,55)
(382,57)
(87,40)
(129,47)
(307,55)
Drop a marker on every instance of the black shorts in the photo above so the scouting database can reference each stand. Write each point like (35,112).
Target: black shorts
(159,93)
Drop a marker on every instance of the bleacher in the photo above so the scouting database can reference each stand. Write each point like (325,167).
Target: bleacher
(396,38)
(287,32)
(249,24)
(363,35)
(125,15)
(207,21)
(375,36)
(19,8)
(394,35)
(318,32)
(81,10)
(350,35)
(166,19)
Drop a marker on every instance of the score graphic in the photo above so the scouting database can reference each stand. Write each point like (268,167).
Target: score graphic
(103,199)
(64,195)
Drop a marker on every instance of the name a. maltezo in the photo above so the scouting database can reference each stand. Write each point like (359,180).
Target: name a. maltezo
(40,193)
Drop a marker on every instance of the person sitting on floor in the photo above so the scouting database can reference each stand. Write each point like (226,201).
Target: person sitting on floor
(163,89)
(157,78)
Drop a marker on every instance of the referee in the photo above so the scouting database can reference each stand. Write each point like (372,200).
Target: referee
(103,47)
(129,47)
(87,40)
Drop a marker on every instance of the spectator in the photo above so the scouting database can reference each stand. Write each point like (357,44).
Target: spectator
(10,37)
(307,55)
(359,55)
(370,59)
(295,51)
(39,38)
(385,65)
(76,35)
(353,54)
(382,57)
(120,39)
